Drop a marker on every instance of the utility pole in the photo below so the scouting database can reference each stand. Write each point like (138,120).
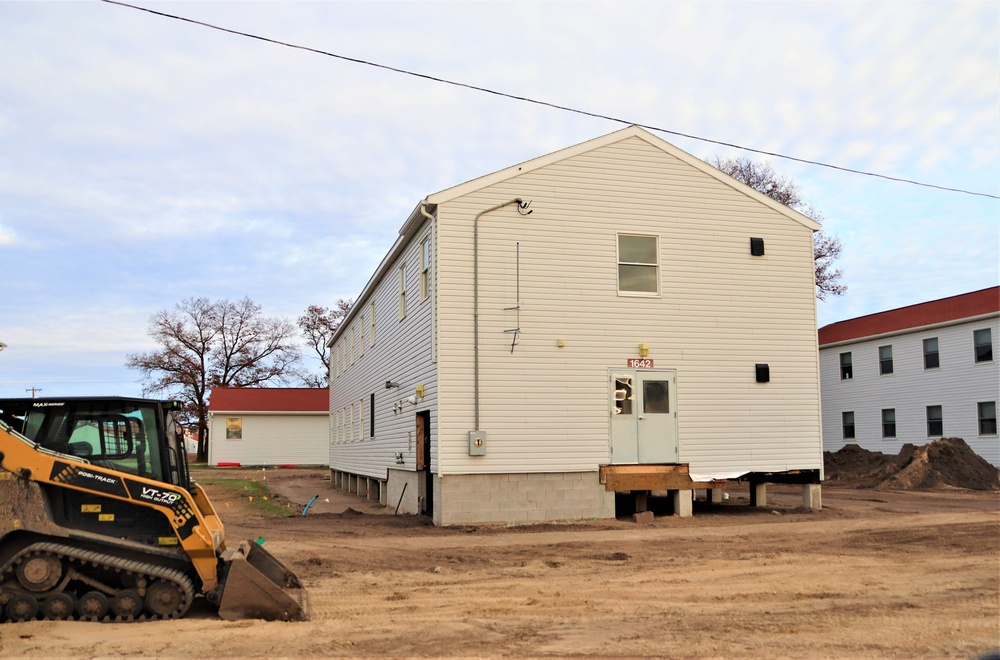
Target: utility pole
(33,390)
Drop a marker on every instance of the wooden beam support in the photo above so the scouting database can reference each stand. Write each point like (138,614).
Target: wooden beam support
(623,478)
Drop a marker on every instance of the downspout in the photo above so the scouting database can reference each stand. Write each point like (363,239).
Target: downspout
(521,205)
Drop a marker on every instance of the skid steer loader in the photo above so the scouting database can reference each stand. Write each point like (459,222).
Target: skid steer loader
(100,520)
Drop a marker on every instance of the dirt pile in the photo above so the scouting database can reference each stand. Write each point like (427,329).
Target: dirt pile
(944,463)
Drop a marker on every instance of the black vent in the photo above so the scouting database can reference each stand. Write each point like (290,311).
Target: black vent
(757,247)
(763,373)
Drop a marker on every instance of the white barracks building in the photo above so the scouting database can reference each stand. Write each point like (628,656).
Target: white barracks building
(618,316)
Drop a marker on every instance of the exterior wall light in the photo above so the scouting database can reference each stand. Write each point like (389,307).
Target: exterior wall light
(643,350)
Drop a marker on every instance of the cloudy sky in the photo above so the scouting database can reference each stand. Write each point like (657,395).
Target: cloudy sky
(144,160)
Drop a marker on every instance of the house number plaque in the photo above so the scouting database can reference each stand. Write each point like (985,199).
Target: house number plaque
(640,363)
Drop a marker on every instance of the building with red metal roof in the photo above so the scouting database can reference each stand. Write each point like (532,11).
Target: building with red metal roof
(269,426)
(914,374)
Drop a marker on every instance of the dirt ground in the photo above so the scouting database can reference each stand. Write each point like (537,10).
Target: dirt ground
(875,574)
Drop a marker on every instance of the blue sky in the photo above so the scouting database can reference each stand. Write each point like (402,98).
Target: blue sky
(144,160)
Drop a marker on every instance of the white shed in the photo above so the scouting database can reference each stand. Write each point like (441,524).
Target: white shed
(913,375)
(614,316)
(268,426)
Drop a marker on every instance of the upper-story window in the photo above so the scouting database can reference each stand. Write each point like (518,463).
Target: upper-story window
(361,335)
(983,340)
(884,360)
(402,291)
(425,268)
(931,358)
(638,264)
(846,366)
(371,323)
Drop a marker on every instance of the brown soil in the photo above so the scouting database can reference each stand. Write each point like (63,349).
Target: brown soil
(887,574)
(944,463)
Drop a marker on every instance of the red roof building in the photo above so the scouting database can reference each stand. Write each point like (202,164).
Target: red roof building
(913,375)
(269,426)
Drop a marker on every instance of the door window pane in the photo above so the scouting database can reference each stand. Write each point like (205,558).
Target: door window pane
(655,396)
(623,395)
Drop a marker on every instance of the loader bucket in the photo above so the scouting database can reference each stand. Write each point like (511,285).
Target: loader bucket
(258,586)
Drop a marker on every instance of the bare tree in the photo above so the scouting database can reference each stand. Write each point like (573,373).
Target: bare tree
(205,344)
(826,247)
(318,325)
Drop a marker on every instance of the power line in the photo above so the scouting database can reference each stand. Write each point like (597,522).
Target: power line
(547,104)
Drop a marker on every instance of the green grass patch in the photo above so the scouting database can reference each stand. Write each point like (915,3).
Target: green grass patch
(245,489)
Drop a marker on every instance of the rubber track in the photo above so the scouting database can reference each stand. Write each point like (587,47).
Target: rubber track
(83,557)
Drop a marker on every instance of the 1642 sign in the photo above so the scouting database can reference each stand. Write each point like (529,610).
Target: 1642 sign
(640,363)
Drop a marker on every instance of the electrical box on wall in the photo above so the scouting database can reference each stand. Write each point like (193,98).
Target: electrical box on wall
(477,443)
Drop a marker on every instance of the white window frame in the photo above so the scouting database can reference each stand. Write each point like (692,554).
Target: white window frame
(361,336)
(620,263)
(425,269)
(371,323)
(975,346)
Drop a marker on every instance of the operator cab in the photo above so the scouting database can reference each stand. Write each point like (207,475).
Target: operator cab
(135,436)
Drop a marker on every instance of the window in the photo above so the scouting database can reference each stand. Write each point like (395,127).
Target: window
(847,421)
(425,268)
(361,336)
(234,428)
(371,324)
(888,422)
(935,423)
(361,420)
(983,340)
(623,395)
(846,366)
(884,360)
(931,358)
(987,417)
(354,343)
(638,264)
(350,423)
(402,292)
(334,363)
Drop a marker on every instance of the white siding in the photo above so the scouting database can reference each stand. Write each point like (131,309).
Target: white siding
(957,386)
(270,439)
(721,311)
(402,353)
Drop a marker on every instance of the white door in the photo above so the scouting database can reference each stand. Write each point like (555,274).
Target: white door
(643,416)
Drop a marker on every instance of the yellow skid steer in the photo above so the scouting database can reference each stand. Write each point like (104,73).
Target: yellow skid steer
(100,521)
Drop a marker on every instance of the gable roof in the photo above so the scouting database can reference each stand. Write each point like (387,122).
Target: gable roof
(934,312)
(426,206)
(270,399)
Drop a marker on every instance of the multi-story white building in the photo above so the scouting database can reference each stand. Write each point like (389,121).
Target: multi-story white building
(616,316)
(914,374)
